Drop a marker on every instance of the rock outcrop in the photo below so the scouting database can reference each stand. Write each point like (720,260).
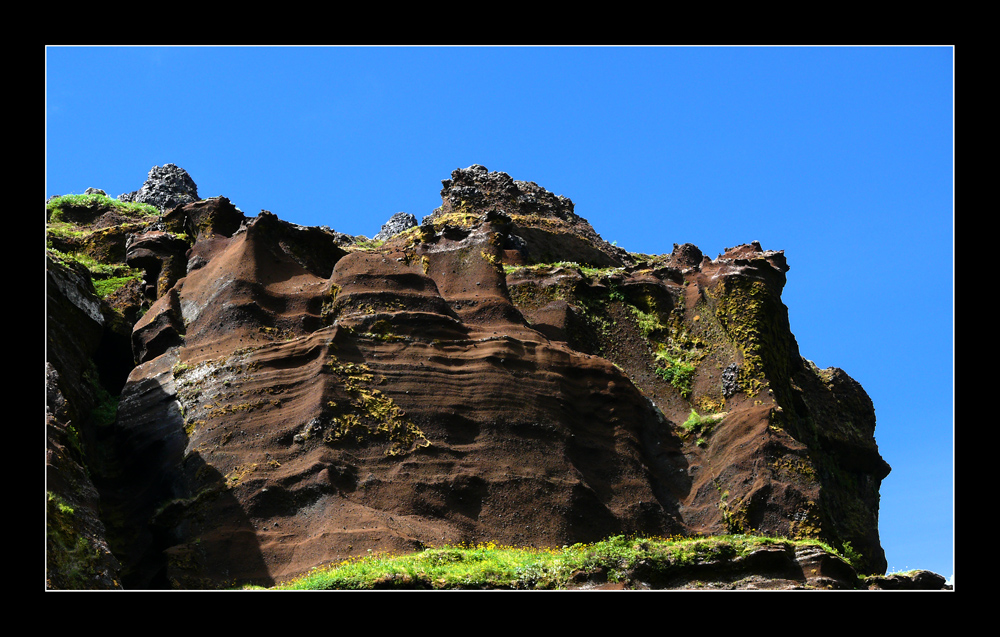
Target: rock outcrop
(397,223)
(166,187)
(497,373)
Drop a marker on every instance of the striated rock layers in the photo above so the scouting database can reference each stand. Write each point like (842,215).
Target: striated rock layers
(497,373)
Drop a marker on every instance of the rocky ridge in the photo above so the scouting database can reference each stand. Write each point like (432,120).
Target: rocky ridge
(251,398)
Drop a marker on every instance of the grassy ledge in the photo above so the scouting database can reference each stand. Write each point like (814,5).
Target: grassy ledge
(55,205)
(489,566)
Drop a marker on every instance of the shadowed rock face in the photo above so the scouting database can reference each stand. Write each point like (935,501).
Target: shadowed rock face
(295,402)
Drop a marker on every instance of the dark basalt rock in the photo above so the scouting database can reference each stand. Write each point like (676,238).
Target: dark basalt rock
(397,223)
(165,187)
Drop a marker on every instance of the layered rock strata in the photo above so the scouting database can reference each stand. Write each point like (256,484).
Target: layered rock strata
(497,373)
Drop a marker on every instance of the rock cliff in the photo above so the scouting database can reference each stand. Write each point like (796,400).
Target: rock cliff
(242,398)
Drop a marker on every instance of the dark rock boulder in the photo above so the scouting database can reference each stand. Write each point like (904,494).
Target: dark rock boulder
(165,187)
(543,226)
(397,223)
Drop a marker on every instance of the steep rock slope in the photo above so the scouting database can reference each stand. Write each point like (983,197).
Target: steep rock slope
(498,372)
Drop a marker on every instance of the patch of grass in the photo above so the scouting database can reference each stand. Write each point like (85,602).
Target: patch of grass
(365,245)
(489,566)
(55,206)
(675,371)
(649,323)
(698,425)
(106,277)
(107,287)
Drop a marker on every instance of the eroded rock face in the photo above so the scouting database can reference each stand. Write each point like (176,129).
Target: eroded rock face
(298,399)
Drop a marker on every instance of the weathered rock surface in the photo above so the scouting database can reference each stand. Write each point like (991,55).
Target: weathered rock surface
(77,551)
(166,187)
(297,399)
(397,223)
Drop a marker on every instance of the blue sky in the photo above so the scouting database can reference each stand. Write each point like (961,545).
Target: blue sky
(840,156)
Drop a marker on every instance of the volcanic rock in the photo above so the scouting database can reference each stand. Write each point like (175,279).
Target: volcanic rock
(397,223)
(497,373)
(544,227)
(77,552)
(165,187)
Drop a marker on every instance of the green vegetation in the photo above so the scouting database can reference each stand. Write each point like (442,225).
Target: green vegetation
(697,424)
(107,287)
(490,566)
(752,315)
(71,558)
(649,323)
(675,371)
(98,270)
(365,244)
(701,426)
(853,556)
(368,414)
(106,410)
(100,252)
(586,270)
(56,206)
(677,354)
(60,504)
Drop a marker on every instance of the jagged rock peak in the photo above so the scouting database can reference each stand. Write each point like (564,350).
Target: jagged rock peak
(397,223)
(166,187)
(482,189)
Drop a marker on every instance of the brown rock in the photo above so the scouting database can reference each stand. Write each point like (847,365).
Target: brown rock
(298,402)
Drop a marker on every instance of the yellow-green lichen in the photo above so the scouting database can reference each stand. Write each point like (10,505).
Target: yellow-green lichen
(750,314)
(369,415)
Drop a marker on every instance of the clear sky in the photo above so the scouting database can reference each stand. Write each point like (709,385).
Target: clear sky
(840,156)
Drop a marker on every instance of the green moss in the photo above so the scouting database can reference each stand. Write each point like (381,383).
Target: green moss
(107,287)
(806,524)
(461,218)
(381,330)
(735,518)
(591,272)
(71,558)
(756,322)
(649,322)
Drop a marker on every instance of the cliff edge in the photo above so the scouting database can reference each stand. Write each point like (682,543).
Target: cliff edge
(251,398)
